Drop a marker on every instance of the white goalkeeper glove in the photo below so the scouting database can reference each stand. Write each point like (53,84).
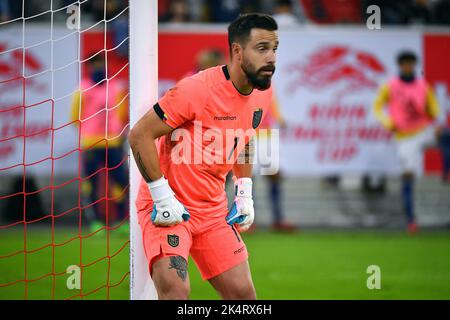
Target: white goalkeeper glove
(167,210)
(242,212)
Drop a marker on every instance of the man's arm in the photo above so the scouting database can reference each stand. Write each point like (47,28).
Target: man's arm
(142,142)
(243,167)
(432,104)
(167,210)
(242,212)
(179,105)
(123,106)
(75,107)
(276,112)
(176,107)
(378,107)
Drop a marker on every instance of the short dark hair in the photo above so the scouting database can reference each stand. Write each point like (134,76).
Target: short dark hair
(406,56)
(239,30)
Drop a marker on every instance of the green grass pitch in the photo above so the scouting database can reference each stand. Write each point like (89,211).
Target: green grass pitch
(305,265)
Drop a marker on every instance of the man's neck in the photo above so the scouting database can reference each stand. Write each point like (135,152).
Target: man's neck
(408,78)
(239,79)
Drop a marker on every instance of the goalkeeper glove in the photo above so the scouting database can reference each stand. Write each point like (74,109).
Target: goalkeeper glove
(242,212)
(167,210)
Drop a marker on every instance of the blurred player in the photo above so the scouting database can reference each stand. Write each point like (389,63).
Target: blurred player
(411,111)
(274,119)
(284,14)
(444,146)
(182,207)
(207,59)
(90,107)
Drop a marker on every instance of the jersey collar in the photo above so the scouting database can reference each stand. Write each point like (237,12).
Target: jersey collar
(225,72)
(228,77)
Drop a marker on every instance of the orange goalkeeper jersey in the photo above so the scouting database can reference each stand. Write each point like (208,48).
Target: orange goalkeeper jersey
(214,122)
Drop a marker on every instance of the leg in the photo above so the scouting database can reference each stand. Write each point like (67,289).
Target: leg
(410,156)
(408,196)
(167,251)
(275,193)
(171,278)
(118,179)
(93,161)
(222,258)
(235,284)
(446,164)
(444,144)
(274,182)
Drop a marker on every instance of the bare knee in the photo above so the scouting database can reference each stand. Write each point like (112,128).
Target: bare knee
(170,291)
(240,291)
(171,278)
(235,284)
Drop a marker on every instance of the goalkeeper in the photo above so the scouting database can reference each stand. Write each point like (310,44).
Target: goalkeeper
(182,205)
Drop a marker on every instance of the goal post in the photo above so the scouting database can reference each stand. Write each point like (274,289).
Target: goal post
(143,59)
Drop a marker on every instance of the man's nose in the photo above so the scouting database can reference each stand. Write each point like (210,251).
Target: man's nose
(271,57)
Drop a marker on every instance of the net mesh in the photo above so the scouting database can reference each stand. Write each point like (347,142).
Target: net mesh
(63,158)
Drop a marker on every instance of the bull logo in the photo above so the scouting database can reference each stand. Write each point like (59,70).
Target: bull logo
(342,68)
(14,66)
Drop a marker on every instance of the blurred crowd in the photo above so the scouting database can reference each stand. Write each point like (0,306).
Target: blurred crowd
(287,12)
(40,10)
(426,12)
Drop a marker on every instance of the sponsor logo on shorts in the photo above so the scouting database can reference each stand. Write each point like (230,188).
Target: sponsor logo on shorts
(173,240)
(239,250)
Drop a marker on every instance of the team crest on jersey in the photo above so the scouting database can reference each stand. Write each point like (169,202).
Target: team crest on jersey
(257,116)
(173,240)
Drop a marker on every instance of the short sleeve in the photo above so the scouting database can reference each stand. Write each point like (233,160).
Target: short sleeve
(184,102)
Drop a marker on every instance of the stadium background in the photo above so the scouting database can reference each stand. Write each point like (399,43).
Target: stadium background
(342,227)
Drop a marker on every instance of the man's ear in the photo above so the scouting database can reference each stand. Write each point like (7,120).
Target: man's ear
(236,51)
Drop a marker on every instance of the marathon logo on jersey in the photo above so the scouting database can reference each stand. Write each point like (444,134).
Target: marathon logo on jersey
(173,240)
(225,117)
(257,116)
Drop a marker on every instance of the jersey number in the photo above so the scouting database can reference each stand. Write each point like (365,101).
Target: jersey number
(236,139)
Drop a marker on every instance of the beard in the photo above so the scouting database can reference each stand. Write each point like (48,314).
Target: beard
(255,77)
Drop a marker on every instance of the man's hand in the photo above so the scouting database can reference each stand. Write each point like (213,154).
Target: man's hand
(167,210)
(242,212)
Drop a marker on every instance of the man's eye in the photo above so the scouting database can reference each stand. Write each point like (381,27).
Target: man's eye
(261,49)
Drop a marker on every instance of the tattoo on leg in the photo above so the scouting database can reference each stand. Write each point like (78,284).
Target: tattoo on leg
(180,264)
(142,168)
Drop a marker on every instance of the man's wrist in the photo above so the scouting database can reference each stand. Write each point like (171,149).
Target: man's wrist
(160,189)
(243,187)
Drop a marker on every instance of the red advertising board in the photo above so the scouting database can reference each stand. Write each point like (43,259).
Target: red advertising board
(436,51)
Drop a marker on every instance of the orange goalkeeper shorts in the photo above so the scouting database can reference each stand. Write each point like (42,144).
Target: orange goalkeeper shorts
(214,245)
